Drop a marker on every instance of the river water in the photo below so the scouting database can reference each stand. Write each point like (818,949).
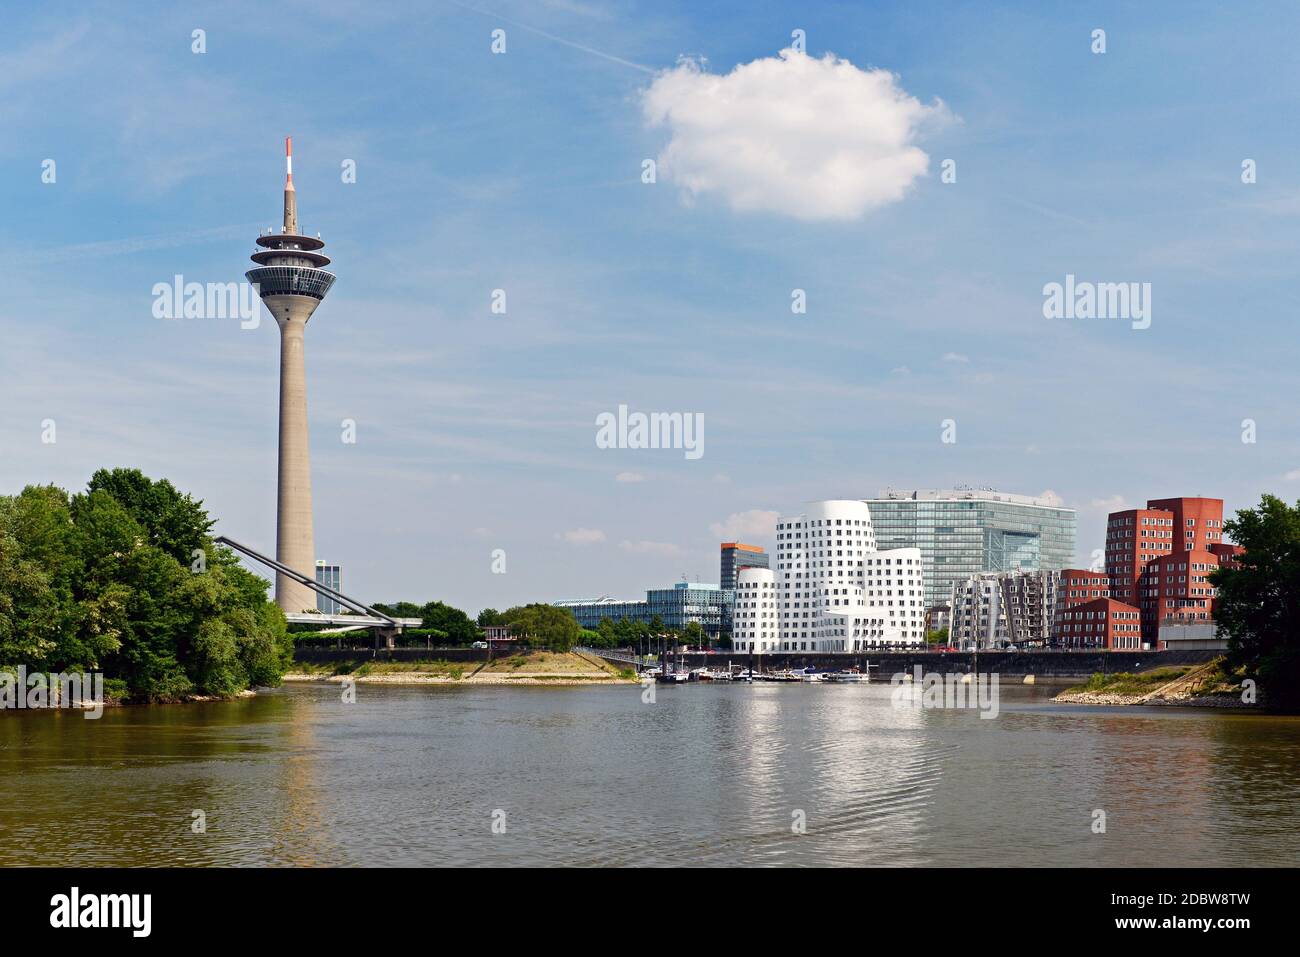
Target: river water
(705,775)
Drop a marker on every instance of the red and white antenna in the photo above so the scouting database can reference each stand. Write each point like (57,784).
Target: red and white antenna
(288,162)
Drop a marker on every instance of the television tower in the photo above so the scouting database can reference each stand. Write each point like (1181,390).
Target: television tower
(292,283)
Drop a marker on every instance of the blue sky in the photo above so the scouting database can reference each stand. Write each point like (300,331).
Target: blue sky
(522,172)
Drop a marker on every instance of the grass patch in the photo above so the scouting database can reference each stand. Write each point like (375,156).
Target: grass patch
(1127,682)
(564,663)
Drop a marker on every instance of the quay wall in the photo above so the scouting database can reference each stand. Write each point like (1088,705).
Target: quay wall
(1047,664)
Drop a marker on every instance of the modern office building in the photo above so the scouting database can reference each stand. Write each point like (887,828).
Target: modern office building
(997,609)
(964,532)
(327,575)
(291,282)
(832,590)
(736,556)
(677,606)
(686,602)
(1159,558)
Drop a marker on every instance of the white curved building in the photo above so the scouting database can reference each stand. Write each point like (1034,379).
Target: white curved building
(834,591)
(755,625)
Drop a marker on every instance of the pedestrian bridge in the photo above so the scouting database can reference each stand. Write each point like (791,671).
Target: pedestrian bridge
(386,627)
(348,622)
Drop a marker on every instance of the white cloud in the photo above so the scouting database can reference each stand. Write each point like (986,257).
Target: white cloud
(582,536)
(955,357)
(755,523)
(651,548)
(629,477)
(1292,476)
(900,370)
(790,134)
(1049,496)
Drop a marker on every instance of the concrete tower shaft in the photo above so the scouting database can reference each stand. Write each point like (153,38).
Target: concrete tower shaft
(292,283)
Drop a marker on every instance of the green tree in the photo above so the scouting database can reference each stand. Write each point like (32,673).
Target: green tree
(693,633)
(1258,601)
(106,581)
(454,622)
(544,626)
(489,617)
(402,609)
(608,634)
(174,522)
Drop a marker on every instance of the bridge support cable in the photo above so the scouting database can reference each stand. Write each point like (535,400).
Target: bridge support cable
(387,632)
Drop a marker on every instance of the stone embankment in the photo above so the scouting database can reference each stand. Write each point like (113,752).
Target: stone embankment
(1200,687)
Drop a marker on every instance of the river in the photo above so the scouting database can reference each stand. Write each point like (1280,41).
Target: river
(705,775)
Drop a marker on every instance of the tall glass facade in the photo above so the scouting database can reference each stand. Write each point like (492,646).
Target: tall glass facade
(965,532)
(327,575)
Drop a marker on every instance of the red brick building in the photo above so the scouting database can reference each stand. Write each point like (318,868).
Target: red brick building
(1099,623)
(1078,585)
(1159,558)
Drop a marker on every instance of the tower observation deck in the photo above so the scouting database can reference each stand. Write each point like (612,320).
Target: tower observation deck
(291,281)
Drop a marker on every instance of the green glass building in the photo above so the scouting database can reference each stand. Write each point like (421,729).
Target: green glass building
(964,532)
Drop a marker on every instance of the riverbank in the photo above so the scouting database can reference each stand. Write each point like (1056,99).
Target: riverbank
(539,668)
(1185,686)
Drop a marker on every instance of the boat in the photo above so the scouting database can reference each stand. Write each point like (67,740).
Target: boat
(851,676)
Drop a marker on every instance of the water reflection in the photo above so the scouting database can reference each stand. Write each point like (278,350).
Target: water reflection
(593,776)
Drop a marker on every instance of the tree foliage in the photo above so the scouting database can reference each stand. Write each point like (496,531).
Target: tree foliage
(489,617)
(1258,602)
(106,580)
(543,626)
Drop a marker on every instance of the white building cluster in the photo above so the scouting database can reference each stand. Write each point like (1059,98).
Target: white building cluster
(831,590)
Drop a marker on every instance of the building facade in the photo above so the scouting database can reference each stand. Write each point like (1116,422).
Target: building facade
(1101,623)
(1003,608)
(327,575)
(736,556)
(678,606)
(966,532)
(832,589)
(1159,559)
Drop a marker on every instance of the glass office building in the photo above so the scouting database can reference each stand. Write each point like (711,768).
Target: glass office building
(327,575)
(684,602)
(965,532)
